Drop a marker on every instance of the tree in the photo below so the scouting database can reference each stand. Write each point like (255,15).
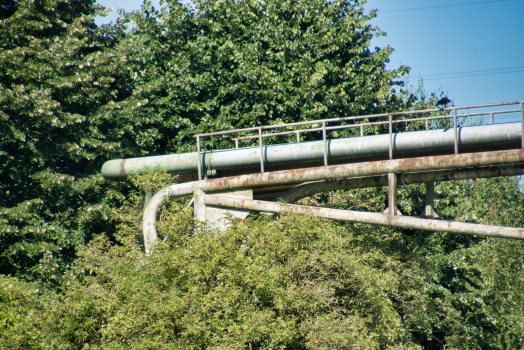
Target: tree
(235,64)
(291,283)
(60,76)
(73,95)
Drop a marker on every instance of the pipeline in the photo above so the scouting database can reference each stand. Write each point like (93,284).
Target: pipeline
(398,166)
(340,151)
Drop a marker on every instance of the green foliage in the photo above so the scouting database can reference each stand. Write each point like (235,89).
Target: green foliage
(467,296)
(291,283)
(235,64)
(60,76)
(298,282)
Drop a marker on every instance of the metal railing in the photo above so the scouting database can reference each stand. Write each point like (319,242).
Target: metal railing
(260,136)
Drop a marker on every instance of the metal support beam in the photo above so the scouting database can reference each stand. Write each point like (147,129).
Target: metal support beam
(308,189)
(522,123)
(392,194)
(429,209)
(199,161)
(390,137)
(400,221)
(325,144)
(455,133)
(334,172)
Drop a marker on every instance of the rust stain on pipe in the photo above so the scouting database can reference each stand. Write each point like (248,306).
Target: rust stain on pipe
(123,168)
(307,189)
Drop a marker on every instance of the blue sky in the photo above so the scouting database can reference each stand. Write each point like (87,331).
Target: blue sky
(471,49)
(479,40)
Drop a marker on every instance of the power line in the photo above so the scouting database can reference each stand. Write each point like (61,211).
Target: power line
(474,71)
(442,6)
(475,75)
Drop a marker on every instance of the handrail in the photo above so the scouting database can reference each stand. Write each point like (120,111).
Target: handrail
(260,136)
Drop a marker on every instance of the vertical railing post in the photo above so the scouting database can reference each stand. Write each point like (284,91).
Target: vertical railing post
(427,124)
(455,136)
(392,194)
(492,118)
(392,177)
(325,143)
(522,123)
(298,136)
(199,158)
(390,137)
(361,131)
(261,150)
(236,143)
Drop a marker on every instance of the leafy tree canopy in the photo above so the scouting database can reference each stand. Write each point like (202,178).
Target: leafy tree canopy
(235,64)
(286,283)
(59,78)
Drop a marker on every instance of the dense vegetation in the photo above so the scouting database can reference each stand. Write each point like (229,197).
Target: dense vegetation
(73,273)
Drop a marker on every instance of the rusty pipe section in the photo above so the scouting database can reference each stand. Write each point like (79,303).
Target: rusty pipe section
(399,221)
(334,172)
(308,189)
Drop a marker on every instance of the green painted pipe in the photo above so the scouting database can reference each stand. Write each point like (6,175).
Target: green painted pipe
(296,155)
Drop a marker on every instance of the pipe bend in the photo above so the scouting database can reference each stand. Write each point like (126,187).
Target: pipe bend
(151,211)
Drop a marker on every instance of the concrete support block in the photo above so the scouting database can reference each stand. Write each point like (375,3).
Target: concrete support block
(218,218)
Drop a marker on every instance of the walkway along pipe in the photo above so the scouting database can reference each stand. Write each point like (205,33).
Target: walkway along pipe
(343,150)
(335,172)
(400,221)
